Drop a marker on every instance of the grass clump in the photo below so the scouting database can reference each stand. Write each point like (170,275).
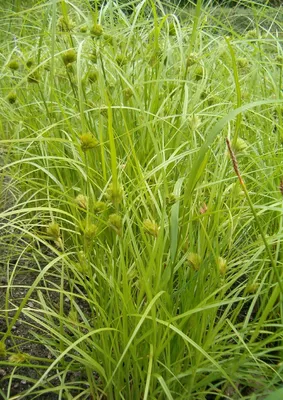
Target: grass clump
(142,258)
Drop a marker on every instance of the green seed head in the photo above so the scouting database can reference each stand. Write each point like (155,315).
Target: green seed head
(83,29)
(252,34)
(13,65)
(222,266)
(92,75)
(18,358)
(29,63)
(252,288)
(96,30)
(242,62)
(53,230)
(115,222)
(12,97)
(88,141)
(150,227)
(192,59)
(114,193)
(69,56)
(171,199)
(128,93)
(90,232)
(194,260)
(65,24)
(81,201)
(99,207)
(194,122)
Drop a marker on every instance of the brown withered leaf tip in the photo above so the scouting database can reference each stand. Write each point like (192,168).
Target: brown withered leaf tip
(234,162)
(281,186)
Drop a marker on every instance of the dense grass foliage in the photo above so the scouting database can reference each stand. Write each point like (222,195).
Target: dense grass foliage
(141,258)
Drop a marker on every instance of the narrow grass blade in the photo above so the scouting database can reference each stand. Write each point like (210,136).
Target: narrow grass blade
(165,387)
(147,310)
(148,378)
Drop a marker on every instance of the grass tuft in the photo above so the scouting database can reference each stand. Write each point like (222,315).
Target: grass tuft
(141,258)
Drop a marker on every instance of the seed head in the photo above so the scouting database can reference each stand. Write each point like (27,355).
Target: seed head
(150,227)
(82,201)
(90,232)
(128,93)
(222,265)
(65,24)
(96,30)
(33,77)
(92,75)
(88,141)
(13,65)
(194,260)
(29,63)
(114,193)
(252,288)
(155,57)
(12,97)
(192,59)
(69,56)
(99,207)
(242,62)
(171,199)
(194,122)
(53,230)
(115,222)
(18,358)
(83,29)
(252,34)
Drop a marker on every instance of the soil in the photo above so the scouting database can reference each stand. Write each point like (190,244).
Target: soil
(23,338)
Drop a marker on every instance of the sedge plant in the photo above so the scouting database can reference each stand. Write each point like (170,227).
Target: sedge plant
(135,265)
